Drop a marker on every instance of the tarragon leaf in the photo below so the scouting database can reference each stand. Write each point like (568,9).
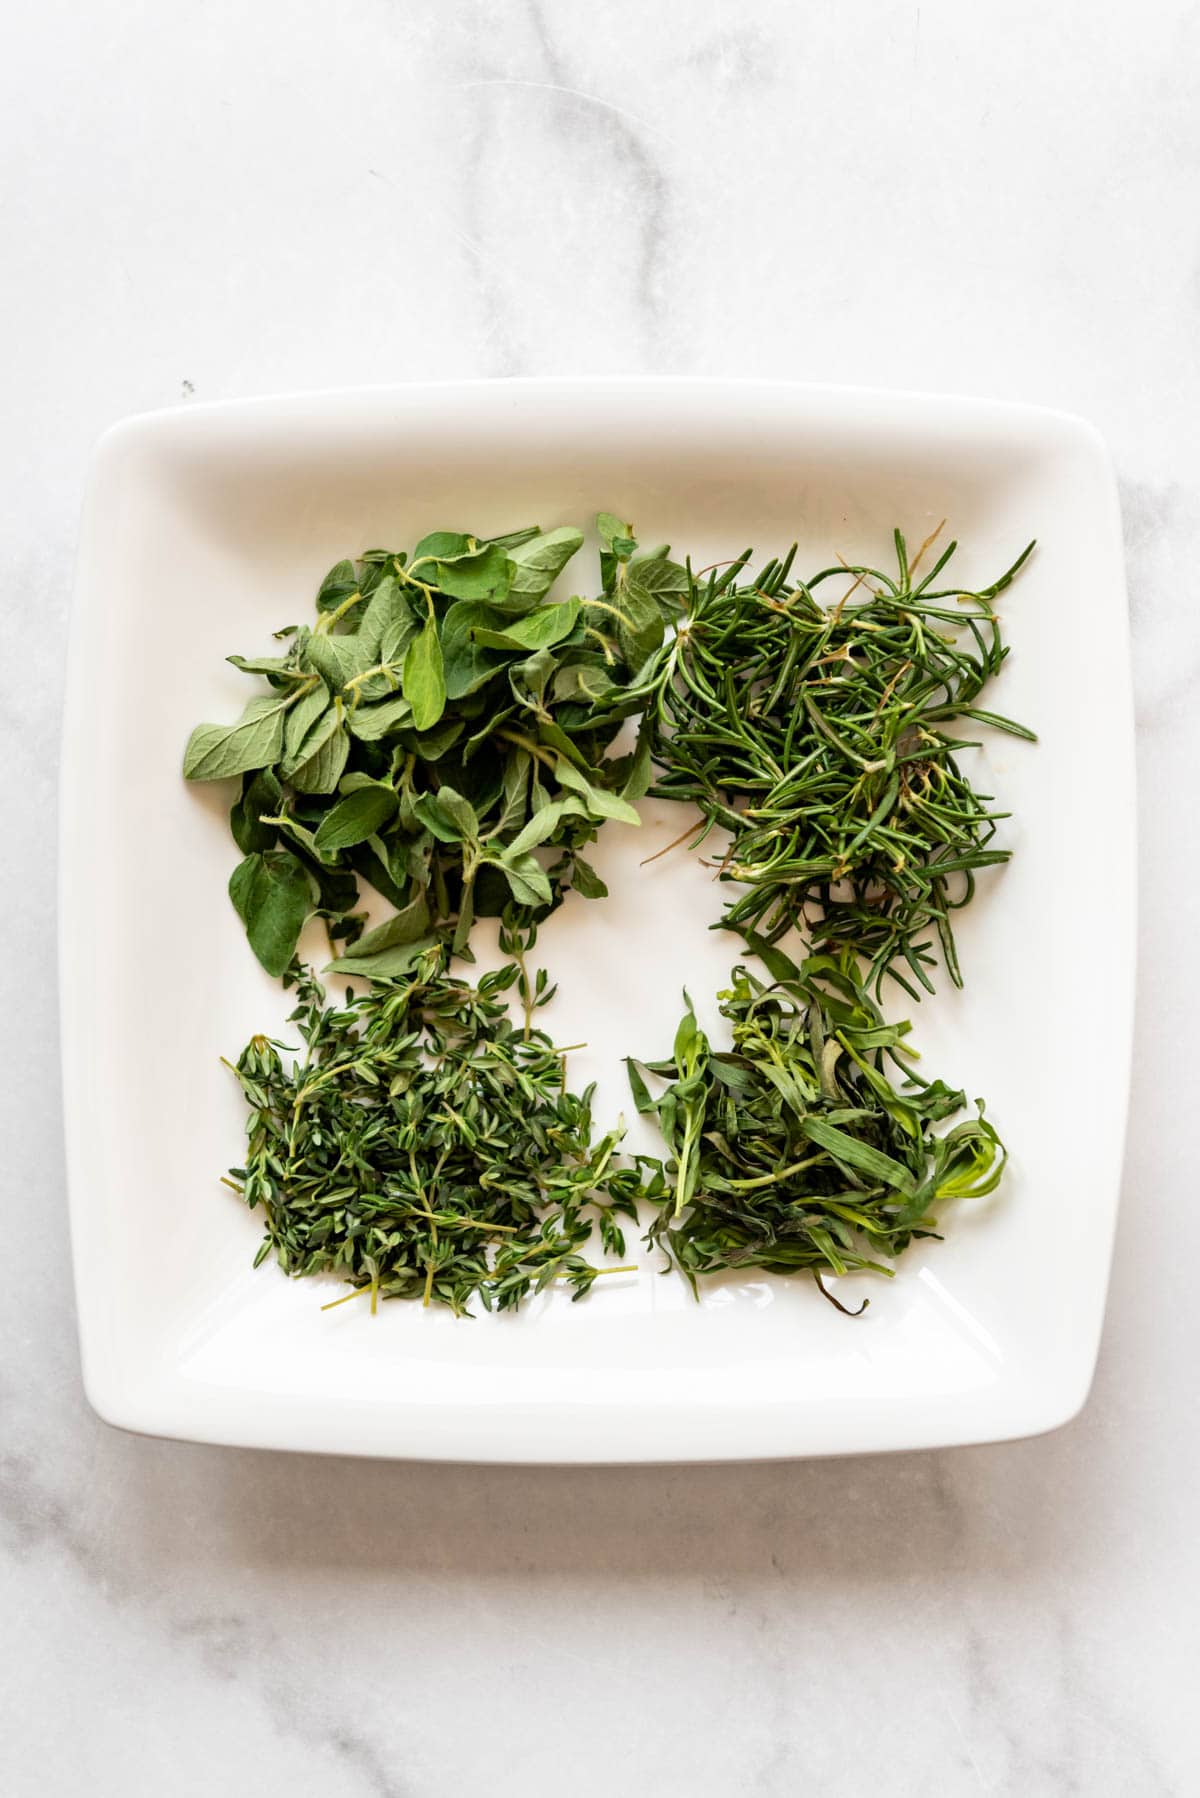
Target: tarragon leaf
(859,1156)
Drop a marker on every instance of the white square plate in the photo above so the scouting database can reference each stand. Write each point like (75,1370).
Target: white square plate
(206,529)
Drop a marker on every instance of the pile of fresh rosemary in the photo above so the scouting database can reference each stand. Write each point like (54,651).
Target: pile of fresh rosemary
(816,736)
(443,734)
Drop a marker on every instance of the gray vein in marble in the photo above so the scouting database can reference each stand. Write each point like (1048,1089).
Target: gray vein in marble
(781,1768)
(646,176)
(803,1531)
(1162,547)
(620,147)
(223,1637)
(231,1645)
(572,93)
(35,1515)
(361,1754)
(501,348)
(1061,1764)
(984,1702)
(968,1760)
(235,1648)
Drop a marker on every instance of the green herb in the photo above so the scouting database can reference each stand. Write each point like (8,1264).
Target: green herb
(423,1147)
(272,898)
(424,679)
(816,735)
(439,734)
(217,751)
(444,732)
(795,1149)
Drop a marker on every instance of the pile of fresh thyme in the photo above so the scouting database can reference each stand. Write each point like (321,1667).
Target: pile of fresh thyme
(443,734)
(424,1147)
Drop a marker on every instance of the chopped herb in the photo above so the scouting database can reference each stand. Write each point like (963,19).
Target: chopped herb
(423,1147)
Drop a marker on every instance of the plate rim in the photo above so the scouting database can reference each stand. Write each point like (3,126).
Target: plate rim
(146,1406)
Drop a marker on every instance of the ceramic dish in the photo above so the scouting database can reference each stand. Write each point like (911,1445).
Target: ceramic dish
(207,528)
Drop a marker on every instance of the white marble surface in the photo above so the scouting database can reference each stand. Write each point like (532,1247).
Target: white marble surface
(222,200)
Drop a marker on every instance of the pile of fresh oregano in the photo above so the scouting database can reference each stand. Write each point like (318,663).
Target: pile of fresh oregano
(443,733)
(436,726)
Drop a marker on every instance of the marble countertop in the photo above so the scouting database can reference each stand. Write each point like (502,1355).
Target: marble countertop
(212,200)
